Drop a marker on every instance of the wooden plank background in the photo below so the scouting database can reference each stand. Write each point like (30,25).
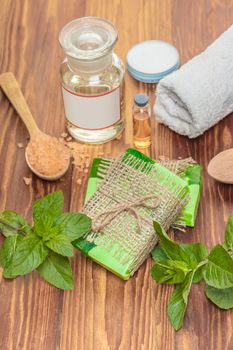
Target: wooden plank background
(104,312)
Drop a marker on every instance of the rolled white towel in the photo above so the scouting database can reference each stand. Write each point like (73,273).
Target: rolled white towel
(200,93)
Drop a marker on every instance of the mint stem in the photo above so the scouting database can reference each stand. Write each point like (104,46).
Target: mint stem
(204,262)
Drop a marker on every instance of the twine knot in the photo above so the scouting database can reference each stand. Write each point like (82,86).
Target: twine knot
(129,206)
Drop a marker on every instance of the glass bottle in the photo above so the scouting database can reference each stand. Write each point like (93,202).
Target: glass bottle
(92,80)
(141,121)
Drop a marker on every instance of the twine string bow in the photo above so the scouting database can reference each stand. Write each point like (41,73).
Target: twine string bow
(129,206)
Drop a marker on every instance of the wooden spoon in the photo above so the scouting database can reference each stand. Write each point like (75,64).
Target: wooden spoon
(12,90)
(221,167)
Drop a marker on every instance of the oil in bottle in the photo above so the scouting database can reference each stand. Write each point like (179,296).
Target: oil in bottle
(141,121)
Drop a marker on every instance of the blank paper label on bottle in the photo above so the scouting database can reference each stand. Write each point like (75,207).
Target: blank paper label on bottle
(92,112)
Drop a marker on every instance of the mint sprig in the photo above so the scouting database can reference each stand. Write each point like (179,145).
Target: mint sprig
(45,245)
(185,264)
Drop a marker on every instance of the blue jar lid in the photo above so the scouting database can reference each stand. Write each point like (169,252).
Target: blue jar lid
(151,60)
(141,100)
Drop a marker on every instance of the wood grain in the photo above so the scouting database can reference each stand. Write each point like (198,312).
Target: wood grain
(104,312)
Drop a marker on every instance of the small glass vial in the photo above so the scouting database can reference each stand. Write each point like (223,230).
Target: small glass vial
(92,80)
(141,121)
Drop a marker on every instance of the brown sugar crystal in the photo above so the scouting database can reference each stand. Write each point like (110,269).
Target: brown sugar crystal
(47,155)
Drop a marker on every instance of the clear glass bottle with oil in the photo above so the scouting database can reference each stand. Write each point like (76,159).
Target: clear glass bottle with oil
(141,121)
(92,80)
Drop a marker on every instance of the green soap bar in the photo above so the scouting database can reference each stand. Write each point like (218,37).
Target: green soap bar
(92,185)
(83,245)
(103,258)
(190,211)
(98,254)
(192,177)
(193,174)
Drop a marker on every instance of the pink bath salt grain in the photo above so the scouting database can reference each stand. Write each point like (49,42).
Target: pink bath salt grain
(27,180)
(47,155)
(64,134)
(20,145)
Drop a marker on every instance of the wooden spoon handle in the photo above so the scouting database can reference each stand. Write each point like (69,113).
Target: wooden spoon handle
(12,90)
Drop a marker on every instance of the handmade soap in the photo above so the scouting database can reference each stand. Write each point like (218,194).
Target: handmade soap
(123,199)
(189,171)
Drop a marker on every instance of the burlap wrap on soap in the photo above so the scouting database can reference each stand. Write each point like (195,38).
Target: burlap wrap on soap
(132,194)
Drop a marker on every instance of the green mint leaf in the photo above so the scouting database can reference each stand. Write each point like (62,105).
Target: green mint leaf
(8,249)
(12,223)
(29,254)
(198,276)
(169,271)
(74,225)
(50,205)
(197,252)
(223,298)
(172,249)
(178,302)
(218,272)
(158,254)
(57,271)
(228,242)
(45,228)
(60,244)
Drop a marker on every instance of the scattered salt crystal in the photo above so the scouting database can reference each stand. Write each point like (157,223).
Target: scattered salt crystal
(27,180)
(79,181)
(69,139)
(20,145)
(80,154)
(64,134)
(87,162)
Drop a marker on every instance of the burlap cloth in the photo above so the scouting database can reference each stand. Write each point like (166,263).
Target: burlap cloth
(132,194)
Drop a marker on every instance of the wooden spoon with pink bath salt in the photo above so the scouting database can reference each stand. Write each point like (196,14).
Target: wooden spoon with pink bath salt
(220,167)
(45,155)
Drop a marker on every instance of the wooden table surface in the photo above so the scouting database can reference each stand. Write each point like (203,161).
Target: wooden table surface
(103,312)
